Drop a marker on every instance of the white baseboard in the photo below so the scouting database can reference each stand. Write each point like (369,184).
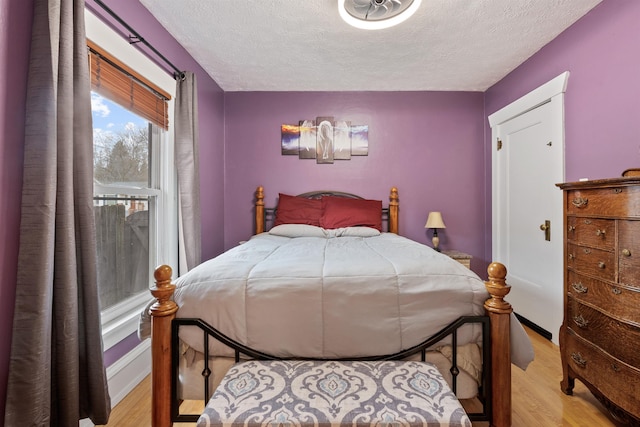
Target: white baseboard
(126,373)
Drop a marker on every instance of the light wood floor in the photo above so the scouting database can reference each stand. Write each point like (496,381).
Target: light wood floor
(537,399)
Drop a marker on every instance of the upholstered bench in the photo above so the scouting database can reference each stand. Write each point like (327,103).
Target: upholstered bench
(331,393)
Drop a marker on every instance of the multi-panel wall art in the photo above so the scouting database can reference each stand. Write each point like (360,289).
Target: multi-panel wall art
(325,139)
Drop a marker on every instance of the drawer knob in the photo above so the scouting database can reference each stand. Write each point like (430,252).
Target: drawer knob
(571,256)
(616,291)
(579,202)
(580,361)
(601,265)
(579,288)
(626,252)
(615,367)
(581,321)
(601,233)
(571,228)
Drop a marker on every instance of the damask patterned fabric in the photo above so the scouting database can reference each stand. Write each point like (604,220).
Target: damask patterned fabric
(331,393)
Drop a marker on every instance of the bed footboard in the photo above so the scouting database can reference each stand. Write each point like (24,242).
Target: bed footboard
(498,310)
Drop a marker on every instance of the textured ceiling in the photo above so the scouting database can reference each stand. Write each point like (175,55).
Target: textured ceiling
(303,45)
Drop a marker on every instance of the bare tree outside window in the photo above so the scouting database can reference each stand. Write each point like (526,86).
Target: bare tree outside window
(122,156)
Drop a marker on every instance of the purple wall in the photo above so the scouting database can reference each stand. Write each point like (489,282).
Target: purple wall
(602,101)
(428,144)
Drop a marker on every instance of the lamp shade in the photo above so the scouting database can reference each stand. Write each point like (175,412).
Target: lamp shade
(435,220)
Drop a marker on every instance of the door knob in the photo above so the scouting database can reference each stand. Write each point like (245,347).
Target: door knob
(546,227)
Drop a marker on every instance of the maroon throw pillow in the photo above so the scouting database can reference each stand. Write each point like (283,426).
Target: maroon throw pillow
(343,212)
(298,210)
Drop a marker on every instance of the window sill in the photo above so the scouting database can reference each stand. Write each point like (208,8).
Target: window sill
(121,321)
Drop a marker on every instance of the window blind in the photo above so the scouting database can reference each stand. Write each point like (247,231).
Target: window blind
(114,80)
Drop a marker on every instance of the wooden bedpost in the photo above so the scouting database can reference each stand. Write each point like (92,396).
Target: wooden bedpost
(163,311)
(499,312)
(259,210)
(393,210)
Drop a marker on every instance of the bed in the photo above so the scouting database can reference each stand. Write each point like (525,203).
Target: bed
(320,280)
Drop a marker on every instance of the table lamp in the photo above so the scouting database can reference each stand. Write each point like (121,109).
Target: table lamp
(434,221)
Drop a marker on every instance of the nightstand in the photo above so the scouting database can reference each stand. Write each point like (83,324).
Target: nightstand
(461,257)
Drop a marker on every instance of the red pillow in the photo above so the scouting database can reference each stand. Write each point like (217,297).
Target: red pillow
(342,212)
(298,210)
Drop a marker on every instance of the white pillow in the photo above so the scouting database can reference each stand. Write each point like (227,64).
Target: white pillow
(298,230)
(353,232)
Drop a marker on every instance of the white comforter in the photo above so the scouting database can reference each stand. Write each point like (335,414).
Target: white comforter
(332,297)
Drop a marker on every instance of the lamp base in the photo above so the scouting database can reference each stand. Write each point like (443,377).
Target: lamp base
(436,242)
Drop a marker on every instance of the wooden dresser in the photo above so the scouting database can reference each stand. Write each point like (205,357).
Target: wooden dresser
(600,334)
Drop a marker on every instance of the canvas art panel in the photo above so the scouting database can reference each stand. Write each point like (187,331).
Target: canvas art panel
(324,140)
(290,139)
(342,140)
(307,139)
(360,140)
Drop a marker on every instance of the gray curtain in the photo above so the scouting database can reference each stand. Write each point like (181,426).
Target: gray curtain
(187,163)
(56,371)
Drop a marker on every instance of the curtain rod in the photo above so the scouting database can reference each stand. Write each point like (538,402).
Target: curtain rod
(137,38)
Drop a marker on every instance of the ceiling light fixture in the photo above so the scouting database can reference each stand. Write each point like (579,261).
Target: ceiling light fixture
(376,14)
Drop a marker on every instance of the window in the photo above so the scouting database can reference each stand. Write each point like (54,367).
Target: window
(134,176)
(125,198)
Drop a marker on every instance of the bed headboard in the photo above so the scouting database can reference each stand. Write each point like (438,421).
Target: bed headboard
(264,216)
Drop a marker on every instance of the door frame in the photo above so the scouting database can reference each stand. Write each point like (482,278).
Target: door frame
(535,98)
(555,88)
(550,92)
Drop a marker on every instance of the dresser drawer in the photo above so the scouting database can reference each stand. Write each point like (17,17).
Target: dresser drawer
(617,301)
(616,338)
(609,201)
(616,380)
(598,233)
(596,262)
(629,252)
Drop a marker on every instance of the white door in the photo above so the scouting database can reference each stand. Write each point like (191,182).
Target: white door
(528,230)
